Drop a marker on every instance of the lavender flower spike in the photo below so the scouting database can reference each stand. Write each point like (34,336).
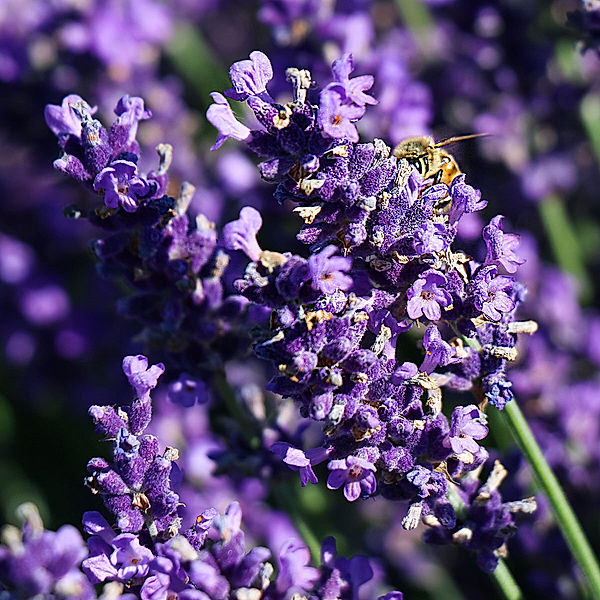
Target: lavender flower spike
(241,234)
(222,118)
(250,77)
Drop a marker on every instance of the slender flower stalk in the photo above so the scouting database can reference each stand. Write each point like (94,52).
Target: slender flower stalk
(565,516)
(506,582)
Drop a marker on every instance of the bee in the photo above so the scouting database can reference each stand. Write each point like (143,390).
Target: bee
(429,158)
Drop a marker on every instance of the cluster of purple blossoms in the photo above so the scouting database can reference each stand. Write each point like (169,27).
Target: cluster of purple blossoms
(106,160)
(38,563)
(170,260)
(426,296)
(146,555)
(338,323)
(155,238)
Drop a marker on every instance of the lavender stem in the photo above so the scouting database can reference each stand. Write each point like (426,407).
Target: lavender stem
(506,582)
(565,517)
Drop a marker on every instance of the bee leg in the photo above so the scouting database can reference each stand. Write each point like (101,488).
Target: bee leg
(438,175)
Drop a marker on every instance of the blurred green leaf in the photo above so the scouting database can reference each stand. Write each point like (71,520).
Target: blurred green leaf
(564,241)
(589,112)
(17,488)
(196,62)
(418,19)
(568,59)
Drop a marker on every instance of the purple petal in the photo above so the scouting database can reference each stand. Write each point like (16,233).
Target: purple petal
(222,118)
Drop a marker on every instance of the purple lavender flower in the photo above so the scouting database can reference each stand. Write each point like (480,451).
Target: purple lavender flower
(141,377)
(390,222)
(336,114)
(222,118)
(328,271)
(437,351)
(426,296)
(501,246)
(490,293)
(298,460)
(294,570)
(406,371)
(62,119)
(487,523)
(427,482)
(356,474)
(241,234)
(130,111)
(355,88)
(113,557)
(345,576)
(430,237)
(465,199)
(335,353)
(497,389)
(199,531)
(136,486)
(467,425)
(188,391)
(250,77)
(120,184)
(39,563)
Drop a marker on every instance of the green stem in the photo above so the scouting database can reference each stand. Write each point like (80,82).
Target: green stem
(565,517)
(506,582)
